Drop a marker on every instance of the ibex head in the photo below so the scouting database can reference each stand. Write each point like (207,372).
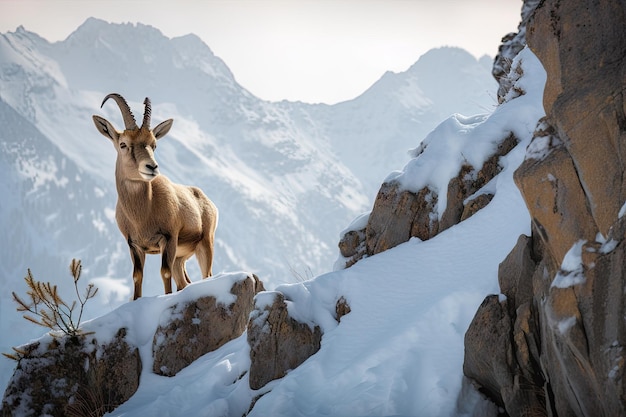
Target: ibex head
(135,146)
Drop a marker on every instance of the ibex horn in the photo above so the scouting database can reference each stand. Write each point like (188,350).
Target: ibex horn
(129,120)
(146,114)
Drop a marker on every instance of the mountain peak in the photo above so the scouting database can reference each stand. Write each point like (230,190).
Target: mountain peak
(22,33)
(138,52)
(94,28)
(444,57)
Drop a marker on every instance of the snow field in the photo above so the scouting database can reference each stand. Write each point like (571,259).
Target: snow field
(400,350)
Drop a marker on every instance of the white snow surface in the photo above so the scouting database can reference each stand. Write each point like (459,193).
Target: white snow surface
(400,349)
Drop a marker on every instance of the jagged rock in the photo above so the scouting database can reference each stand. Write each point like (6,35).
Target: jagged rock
(516,271)
(202,326)
(73,376)
(501,351)
(458,189)
(489,358)
(494,360)
(278,342)
(397,215)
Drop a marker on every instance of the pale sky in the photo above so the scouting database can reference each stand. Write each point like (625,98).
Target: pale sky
(313,51)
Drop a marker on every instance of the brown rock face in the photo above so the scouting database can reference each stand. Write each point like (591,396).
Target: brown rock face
(475,204)
(202,326)
(582,46)
(552,191)
(399,215)
(558,339)
(73,376)
(278,342)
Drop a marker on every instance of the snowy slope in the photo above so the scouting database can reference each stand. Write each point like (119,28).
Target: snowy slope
(282,174)
(400,350)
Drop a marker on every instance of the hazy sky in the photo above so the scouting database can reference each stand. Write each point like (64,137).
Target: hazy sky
(313,51)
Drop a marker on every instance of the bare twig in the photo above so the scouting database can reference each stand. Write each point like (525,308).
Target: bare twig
(48,309)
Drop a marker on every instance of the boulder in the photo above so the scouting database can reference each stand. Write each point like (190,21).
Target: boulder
(201,326)
(501,349)
(474,204)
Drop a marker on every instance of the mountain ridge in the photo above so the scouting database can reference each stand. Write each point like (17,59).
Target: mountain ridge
(283,187)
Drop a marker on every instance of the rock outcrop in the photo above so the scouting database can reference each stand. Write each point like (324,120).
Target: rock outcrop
(73,376)
(278,342)
(399,214)
(201,326)
(553,342)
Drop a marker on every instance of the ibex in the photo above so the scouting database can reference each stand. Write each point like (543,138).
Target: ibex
(154,214)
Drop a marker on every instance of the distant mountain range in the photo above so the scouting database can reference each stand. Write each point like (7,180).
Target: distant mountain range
(286,176)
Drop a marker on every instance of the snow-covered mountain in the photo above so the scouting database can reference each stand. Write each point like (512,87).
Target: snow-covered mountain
(373,132)
(287,177)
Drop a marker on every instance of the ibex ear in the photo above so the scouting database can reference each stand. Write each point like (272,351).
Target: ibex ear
(162,128)
(105,128)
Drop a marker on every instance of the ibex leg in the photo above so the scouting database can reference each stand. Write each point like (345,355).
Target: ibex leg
(138,257)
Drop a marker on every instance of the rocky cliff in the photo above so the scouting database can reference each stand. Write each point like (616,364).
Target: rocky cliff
(553,342)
